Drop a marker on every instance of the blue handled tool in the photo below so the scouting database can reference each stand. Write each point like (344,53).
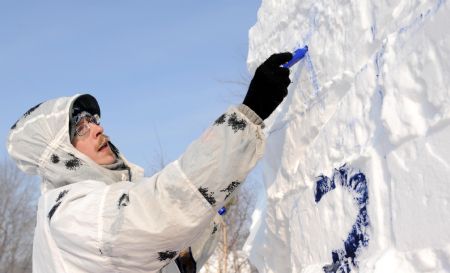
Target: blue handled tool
(297,56)
(222,211)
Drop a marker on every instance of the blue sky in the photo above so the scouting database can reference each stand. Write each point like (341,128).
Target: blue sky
(158,69)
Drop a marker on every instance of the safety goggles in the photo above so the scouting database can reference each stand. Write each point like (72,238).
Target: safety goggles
(83,126)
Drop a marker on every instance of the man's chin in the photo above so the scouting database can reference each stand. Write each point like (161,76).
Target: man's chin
(106,157)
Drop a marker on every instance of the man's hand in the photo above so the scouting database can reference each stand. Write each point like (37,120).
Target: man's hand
(269,85)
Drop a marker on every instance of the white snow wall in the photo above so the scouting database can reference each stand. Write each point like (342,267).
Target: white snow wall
(357,166)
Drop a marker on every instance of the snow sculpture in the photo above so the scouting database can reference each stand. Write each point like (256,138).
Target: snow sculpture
(371,97)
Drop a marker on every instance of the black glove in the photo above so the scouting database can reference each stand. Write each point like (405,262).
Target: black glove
(269,85)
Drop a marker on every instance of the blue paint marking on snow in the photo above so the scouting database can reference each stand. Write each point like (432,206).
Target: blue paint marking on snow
(374,28)
(421,18)
(312,15)
(313,22)
(312,74)
(324,185)
(356,183)
(379,61)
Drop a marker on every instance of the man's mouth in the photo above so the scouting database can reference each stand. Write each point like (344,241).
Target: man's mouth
(103,144)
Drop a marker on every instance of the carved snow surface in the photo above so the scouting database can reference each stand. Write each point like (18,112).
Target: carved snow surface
(372,93)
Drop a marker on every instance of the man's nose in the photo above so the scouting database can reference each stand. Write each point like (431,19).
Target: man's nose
(97,130)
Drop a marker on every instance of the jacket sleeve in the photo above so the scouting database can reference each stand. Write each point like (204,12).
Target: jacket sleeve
(205,246)
(142,226)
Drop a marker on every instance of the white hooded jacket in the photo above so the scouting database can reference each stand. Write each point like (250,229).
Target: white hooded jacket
(93,219)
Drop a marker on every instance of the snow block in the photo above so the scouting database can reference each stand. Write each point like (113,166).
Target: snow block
(358,155)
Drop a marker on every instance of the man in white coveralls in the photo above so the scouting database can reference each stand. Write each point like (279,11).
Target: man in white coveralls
(98,213)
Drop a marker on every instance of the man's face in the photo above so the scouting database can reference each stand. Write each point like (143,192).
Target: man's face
(93,142)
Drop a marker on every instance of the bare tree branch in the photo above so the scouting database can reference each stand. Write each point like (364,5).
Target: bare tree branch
(228,254)
(18,201)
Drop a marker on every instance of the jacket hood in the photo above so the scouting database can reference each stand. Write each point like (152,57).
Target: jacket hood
(40,144)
